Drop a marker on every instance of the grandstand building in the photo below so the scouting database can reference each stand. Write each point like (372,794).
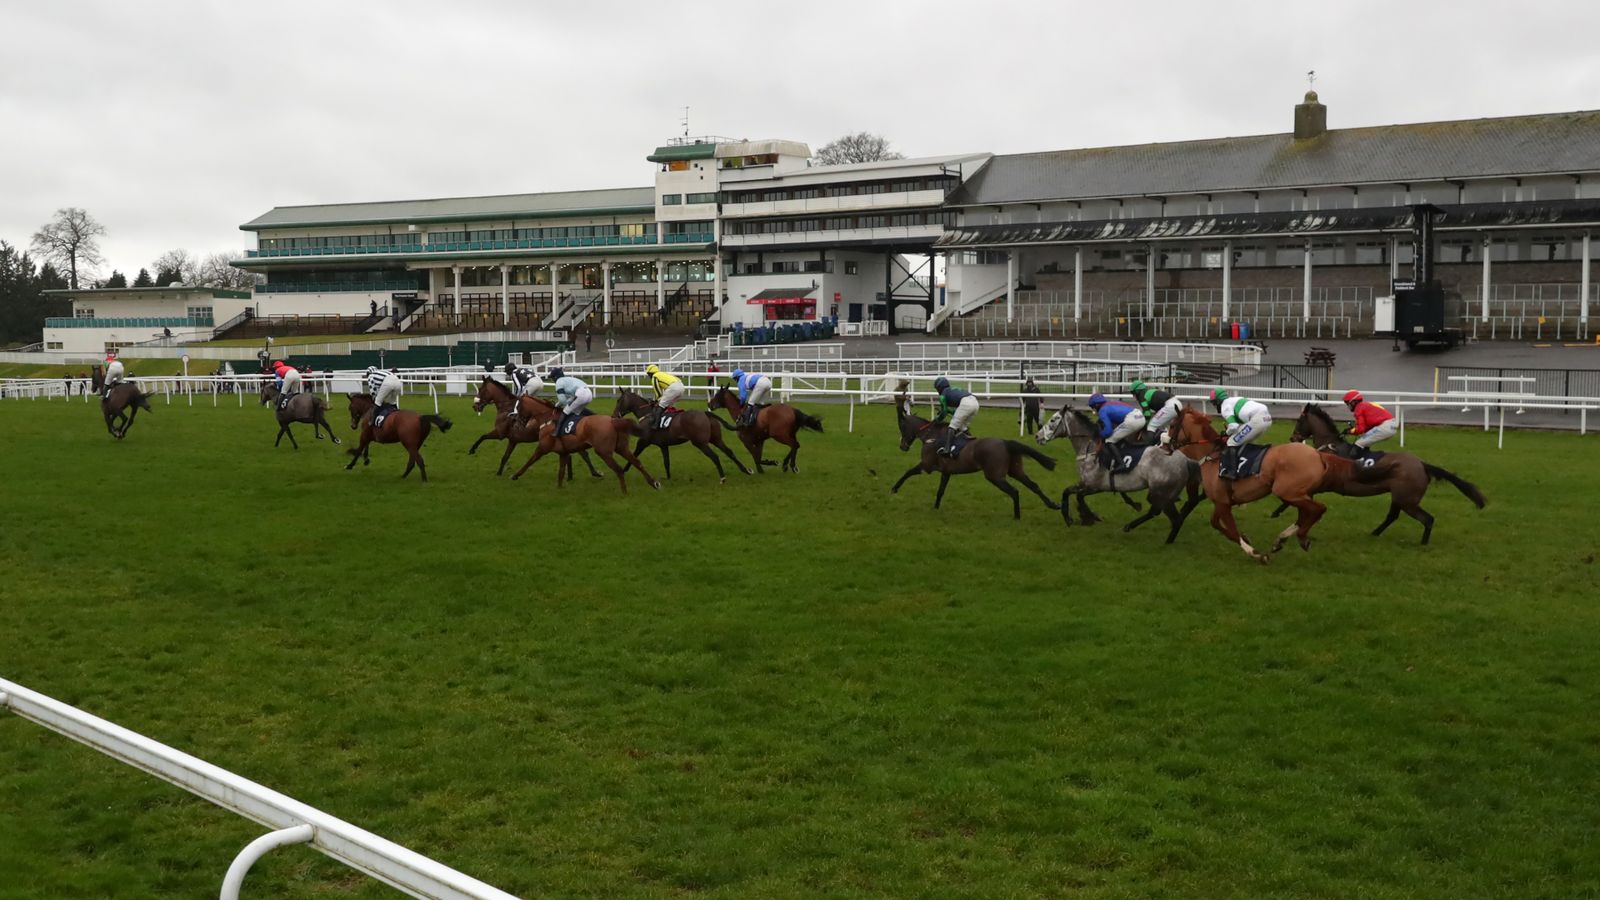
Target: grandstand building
(106,319)
(1297,233)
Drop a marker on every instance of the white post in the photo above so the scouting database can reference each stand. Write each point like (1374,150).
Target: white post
(1483,289)
(1305,291)
(1077,284)
(505,294)
(605,290)
(661,285)
(1150,282)
(1011,283)
(297,834)
(716,276)
(1583,288)
(457,270)
(555,290)
(1227,281)
(1394,260)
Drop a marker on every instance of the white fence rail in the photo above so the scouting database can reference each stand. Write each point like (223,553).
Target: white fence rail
(394,865)
(1241,355)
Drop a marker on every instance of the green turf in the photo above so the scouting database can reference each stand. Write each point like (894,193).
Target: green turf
(792,685)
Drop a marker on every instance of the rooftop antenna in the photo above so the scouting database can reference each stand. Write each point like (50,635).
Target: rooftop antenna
(1311,81)
(686,121)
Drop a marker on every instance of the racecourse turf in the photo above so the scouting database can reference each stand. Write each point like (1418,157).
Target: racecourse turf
(791,685)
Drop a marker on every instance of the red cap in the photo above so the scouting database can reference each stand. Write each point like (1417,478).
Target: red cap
(1352,396)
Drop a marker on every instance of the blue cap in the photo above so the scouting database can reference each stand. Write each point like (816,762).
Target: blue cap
(1097,400)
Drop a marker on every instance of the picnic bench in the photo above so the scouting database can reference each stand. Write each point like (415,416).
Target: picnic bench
(1320,356)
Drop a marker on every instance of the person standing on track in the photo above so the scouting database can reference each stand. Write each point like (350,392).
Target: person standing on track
(1373,422)
(1246,420)
(1030,407)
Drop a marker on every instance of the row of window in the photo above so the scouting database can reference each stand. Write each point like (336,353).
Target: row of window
(401,241)
(811,192)
(841,223)
(553,232)
(588,275)
(1354,252)
(680,199)
(797,267)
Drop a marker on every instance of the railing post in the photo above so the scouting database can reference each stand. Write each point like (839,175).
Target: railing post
(261,846)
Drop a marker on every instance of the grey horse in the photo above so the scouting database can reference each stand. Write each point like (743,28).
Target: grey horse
(307,408)
(1165,475)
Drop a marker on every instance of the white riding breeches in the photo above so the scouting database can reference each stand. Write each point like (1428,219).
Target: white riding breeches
(532,387)
(581,399)
(388,392)
(1164,416)
(291,382)
(1380,432)
(1131,425)
(758,394)
(113,373)
(1250,429)
(965,410)
(671,394)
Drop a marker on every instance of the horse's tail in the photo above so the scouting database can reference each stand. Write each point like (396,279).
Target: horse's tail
(1018,448)
(142,400)
(440,421)
(804,421)
(1464,486)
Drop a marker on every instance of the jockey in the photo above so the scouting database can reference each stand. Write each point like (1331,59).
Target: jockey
(114,373)
(1159,408)
(1118,421)
(288,378)
(1247,420)
(572,395)
(753,390)
(384,387)
(525,382)
(668,389)
(1373,422)
(956,405)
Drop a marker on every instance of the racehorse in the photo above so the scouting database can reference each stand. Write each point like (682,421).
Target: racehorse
(1164,474)
(525,431)
(125,396)
(402,426)
(780,422)
(304,408)
(994,457)
(700,429)
(607,435)
(1293,472)
(1402,476)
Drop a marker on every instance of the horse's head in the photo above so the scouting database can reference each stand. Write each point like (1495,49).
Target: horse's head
(268,393)
(1055,426)
(1315,425)
(912,426)
(720,400)
(360,405)
(490,391)
(628,402)
(1192,429)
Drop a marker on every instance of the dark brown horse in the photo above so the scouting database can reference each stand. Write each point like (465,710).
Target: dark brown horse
(521,430)
(1293,472)
(403,427)
(688,426)
(780,422)
(994,457)
(125,396)
(1401,475)
(607,435)
(307,409)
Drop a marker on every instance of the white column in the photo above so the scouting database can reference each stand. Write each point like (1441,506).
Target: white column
(716,275)
(1394,260)
(1305,291)
(457,270)
(505,293)
(555,287)
(661,285)
(605,290)
(1483,289)
(1227,280)
(1150,282)
(1077,283)
(1583,286)
(1011,283)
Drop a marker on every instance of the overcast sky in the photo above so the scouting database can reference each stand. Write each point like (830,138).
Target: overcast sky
(175,122)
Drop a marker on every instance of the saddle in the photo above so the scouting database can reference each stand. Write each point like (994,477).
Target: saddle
(283,400)
(1250,457)
(960,444)
(1124,462)
(382,413)
(569,424)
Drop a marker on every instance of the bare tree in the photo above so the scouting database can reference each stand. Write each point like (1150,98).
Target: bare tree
(174,265)
(71,240)
(215,271)
(860,147)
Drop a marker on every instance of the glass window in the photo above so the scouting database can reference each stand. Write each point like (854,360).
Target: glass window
(671,199)
(702,198)
(851,267)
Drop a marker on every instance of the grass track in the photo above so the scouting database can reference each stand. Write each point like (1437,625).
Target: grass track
(792,685)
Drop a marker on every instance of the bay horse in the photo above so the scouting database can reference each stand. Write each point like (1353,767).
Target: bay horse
(779,422)
(125,396)
(1403,476)
(403,426)
(702,430)
(994,457)
(1164,475)
(606,434)
(308,409)
(523,431)
(1292,472)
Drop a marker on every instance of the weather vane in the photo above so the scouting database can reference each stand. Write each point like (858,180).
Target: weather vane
(1311,79)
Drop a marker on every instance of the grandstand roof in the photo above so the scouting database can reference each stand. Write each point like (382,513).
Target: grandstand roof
(458,209)
(1557,143)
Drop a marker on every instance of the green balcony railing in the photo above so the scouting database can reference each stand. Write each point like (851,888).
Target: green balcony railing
(335,287)
(133,322)
(607,240)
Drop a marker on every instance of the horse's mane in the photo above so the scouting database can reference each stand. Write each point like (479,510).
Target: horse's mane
(1316,410)
(1082,417)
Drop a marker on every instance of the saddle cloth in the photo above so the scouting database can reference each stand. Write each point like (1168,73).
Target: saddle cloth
(1124,462)
(570,425)
(381,414)
(960,444)
(1250,457)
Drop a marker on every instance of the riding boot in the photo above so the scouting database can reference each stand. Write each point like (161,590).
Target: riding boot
(949,448)
(1229,464)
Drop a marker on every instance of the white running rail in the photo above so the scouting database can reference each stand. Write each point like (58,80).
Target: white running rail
(290,820)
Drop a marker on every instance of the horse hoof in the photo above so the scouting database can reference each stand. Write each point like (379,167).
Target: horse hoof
(1127,529)
(337,442)
(1306,545)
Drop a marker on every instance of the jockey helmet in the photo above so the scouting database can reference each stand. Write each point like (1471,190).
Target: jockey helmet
(372,370)
(652,369)
(738,374)
(558,372)
(510,368)
(941,383)
(1353,397)
(1137,386)
(1097,400)
(1219,396)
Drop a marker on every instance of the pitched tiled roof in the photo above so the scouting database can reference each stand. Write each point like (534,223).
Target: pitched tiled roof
(1472,148)
(459,209)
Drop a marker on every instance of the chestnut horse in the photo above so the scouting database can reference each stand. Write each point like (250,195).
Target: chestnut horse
(1292,472)
(524,431)
(780,422)
(994,457)
(698,428)
(1401,475)
(403,427)
(308,409)
(607,435)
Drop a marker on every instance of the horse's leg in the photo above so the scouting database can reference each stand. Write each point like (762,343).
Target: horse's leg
(1222,520)
(1085,514)
(791,462)
(324,421)
(632,458)
(1310,512)
(666,461)
(944,479)
(756,445)
(1156,509)
(283,429)
(1426,518)
(914,470)
(999,481)
(357,453)
(593,472)
(1394,513)
(411,461)
(1018,474)
(290,432)
(1176,518)
(720,445)
(538,452)
(1128,499)
(484,437)
(722,477)
(1282,505)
